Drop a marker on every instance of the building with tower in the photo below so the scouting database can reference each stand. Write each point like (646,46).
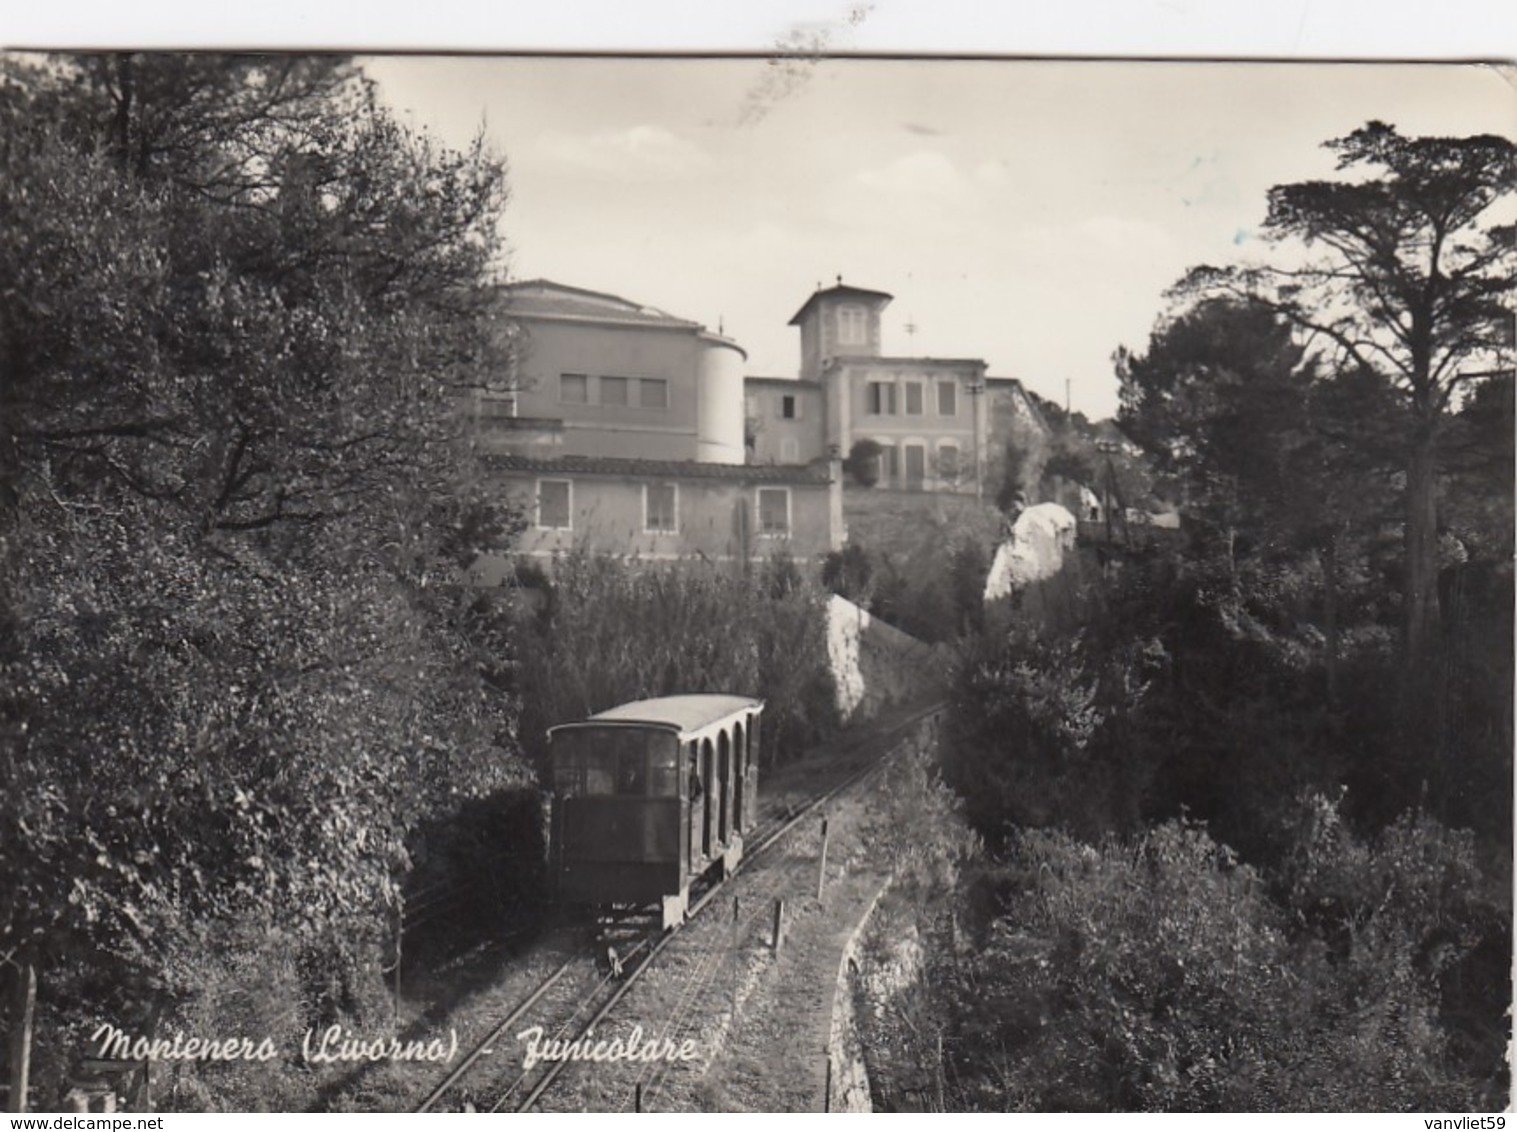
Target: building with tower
(938,421)
(619,428)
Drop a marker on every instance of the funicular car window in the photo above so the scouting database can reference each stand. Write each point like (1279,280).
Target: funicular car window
(568,771)
(663,768)
(615,761)
(631,770)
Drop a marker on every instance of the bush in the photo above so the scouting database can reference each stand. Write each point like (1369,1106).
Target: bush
(863,463)
(1031,739)
(916,829)
(613,631)
(1159,973)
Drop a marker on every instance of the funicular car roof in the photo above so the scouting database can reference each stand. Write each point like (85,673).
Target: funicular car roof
(679,713)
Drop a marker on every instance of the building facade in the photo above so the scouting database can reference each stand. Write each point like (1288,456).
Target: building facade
(784,421)
(938,421)
(660,510)
(620,429)
(603,376)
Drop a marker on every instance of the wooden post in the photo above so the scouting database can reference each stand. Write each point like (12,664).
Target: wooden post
(779,923)
(637,1098)
(736,970)
(821,872)
(24,1008)
(827,1091)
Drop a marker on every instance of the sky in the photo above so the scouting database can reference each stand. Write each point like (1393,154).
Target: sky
(1030,213)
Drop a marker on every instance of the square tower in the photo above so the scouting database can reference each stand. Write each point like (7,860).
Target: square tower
(840,321)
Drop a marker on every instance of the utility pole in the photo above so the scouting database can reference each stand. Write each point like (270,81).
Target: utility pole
(975,388)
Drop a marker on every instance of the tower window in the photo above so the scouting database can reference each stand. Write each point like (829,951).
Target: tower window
(851,326)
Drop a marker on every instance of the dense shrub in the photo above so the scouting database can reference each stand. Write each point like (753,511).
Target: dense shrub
(916,827)
(610,631)
(1160,973)
(933,592)
(1158,783)
(1038,735)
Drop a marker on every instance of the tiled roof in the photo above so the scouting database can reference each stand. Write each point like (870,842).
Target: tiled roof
(899,360)
(787,381)
(841,291)
(618,467)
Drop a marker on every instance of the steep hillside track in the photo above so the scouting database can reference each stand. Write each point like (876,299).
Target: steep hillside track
(562,1013)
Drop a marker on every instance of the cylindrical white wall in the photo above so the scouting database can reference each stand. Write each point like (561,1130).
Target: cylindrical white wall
(719,401)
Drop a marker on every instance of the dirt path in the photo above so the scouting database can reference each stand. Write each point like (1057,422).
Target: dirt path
(773,1058)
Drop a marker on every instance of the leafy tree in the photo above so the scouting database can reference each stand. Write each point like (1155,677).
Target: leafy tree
(949,468)
(1410,282)
(241,302)
(1179,399)
(1260,449)
(1478,458)
(850,573)
(863,463)
(1015,464)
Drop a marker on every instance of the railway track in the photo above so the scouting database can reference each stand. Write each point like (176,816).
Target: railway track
(593,993)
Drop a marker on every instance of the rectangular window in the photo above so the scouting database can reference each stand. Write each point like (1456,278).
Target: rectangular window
(573,389)
(950,470)
(555,500)
(774,510)
(851,326)
(653,393)
(889,461)
(790,407)
(916,466)
(913,398)
(948,399)
(613,391)
(882,398)
(495,405)
(603,761)
(660,507)
(790,450)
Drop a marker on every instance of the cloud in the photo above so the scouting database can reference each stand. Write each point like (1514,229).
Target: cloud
(1137,239)
(635,153)
(922,176)
(992,174)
